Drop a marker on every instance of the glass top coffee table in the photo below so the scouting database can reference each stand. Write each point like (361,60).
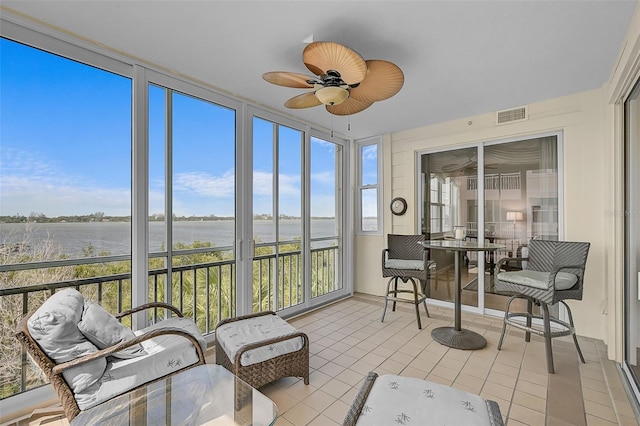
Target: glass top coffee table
(204,395)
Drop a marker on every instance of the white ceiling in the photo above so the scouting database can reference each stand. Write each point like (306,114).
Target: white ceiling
(459,58)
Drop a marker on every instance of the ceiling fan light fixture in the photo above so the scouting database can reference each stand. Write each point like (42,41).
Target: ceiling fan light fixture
(332,95)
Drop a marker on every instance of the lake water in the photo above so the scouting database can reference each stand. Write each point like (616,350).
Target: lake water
(115,237)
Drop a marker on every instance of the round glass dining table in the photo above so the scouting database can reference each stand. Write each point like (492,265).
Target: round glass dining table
(456,336)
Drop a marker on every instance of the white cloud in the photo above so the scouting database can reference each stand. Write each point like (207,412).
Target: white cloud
(205,184)
(30,183)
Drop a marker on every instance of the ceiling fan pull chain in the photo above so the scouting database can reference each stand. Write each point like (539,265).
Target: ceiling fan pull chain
(349,123)
(331,125)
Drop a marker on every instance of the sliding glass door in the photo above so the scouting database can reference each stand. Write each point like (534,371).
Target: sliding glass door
(521,201)
(297,246)
(632,239)
(504,192)
(449,199)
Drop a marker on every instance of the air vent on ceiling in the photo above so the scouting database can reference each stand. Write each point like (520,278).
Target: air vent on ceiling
(510,115)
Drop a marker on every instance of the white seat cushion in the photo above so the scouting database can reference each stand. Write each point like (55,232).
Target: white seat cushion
(416,265)
(406,400)
(537,279)
(163,355)
(236,334)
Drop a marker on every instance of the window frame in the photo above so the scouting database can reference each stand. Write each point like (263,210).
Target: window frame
(360,186)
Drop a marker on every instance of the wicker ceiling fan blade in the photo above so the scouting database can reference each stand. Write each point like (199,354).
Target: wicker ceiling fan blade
(322,56)
(306,100)
(348,107)
(384,80)
(288,79)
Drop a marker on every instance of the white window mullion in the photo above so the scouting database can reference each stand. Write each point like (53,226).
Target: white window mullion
(140,196)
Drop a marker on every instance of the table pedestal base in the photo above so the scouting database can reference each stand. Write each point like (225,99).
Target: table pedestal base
(458,339)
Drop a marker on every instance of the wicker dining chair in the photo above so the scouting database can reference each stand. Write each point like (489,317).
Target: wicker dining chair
(406,260)
(552,273)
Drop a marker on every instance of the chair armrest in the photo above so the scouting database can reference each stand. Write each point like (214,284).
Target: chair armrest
(385,253)
(552,275)
(356,407)
(151,305)
(506,260)
(243,317)
(59,368)
(266,342)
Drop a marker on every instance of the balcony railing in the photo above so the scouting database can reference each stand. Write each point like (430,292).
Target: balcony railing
(204,292)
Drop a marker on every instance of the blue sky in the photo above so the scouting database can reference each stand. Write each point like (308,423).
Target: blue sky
(65,146)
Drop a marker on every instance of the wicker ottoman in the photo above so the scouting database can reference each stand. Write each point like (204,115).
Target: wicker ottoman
(260,348)
(402,400)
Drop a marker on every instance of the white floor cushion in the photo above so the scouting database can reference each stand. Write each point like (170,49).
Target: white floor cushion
(235,335)
(398,400)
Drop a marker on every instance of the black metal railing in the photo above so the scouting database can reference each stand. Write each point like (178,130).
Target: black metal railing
(204,292)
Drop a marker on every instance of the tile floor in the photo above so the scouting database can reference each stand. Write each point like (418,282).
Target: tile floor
(348,340)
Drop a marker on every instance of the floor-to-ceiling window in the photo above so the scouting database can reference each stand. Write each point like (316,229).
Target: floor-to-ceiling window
(327,204)
(632,239)
(111,170)
(517,183)
(297,221)
(65,188)
(192,190)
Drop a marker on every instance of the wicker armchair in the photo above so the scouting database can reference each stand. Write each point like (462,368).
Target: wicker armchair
(404,259)
(290,363)
(552,273)
(54,370)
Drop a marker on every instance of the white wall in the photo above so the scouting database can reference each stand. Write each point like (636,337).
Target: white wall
(583,120)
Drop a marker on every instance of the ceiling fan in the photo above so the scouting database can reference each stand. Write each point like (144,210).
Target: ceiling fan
(344,82)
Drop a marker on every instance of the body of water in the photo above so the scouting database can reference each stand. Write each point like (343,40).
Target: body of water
(115,237)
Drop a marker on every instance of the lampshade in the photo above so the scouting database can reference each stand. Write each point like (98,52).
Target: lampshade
(332,95)
(515,216)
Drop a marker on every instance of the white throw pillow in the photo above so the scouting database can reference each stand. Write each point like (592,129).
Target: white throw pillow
(54,326)
(104,330)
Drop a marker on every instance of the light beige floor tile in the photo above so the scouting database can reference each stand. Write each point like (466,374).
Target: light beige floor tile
(444,372)
(281,421)
(323,420)
(532,388)
(597,421)
(600,410)
(537,378)
(500,391)
(335,387)
(530,401)
(337,411)
(472,384)
(300,414)
(508,380)
(526,415)
(319,400)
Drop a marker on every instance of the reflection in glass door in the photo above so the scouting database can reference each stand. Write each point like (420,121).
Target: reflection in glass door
(450,192)
(518,187)
(521,202)
(632,239)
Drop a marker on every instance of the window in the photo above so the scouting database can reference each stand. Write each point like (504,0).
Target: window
(369,196)
(442,204)
(65,188)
